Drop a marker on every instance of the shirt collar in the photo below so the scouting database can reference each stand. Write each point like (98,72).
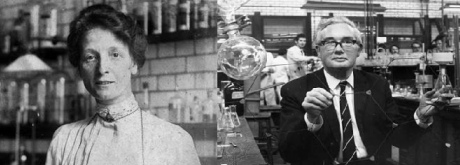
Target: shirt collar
(119,110)
(333,82)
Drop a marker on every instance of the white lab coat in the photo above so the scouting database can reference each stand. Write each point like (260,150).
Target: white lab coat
(281,67)
(268,95)
(296,58)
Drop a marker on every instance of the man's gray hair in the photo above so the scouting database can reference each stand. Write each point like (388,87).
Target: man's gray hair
(335,20)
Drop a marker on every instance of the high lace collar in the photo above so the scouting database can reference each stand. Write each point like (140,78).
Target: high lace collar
(117,111)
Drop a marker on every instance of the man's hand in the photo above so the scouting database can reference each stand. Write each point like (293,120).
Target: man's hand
(315,102)
(424,110)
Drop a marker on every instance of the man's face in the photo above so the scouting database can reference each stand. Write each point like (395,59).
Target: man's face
(394,50)
(416,48)
(439,43)
(301,42)
(337,57)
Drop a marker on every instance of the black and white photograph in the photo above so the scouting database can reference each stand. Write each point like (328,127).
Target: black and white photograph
(229,82)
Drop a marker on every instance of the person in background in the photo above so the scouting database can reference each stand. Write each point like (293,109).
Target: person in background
(296,57)
(437,46)
(381,48)
(268,96)
(107,48)
(281,69)
(394,50)
(341,115)
(416,47)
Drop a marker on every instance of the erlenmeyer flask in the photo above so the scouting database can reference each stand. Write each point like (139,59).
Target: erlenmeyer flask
(225,122)
(443,82)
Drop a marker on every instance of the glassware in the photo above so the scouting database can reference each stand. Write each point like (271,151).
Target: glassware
(234,116)
(210,107)
(225,122)
(233,93)
(196,111)
(176,108)
(221,139)
(227,8)
(224,125)
(444,86)
(397,88)
(241,57)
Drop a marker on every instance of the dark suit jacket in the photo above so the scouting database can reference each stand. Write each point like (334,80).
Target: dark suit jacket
(375,112)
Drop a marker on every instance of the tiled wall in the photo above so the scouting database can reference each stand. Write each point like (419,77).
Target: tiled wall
(190,65)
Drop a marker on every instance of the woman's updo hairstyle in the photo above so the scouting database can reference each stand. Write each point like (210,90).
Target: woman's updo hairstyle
(107,18)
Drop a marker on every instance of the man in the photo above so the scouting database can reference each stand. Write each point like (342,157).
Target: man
(437,46)
(338,115)
(416,47)
(296,57)
(394,50)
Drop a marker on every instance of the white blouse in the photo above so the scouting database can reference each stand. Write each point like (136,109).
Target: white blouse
(121,134)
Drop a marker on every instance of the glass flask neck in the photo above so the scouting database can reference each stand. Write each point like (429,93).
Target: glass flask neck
(443,71)
(234,32)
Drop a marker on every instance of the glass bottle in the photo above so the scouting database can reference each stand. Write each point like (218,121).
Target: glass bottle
(176,108)
(173,11)
(209,108)
(183,18)
(203,15)
(196,112)
(156,16)
(233,93)
(169,16)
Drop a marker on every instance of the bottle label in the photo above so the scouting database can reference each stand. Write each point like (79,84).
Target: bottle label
(237,95)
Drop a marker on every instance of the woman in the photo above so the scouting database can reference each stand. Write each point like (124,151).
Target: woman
(106,48)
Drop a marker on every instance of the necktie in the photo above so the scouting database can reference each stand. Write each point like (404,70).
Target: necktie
(348,142)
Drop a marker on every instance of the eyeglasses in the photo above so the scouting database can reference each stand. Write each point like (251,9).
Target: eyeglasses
(331,44)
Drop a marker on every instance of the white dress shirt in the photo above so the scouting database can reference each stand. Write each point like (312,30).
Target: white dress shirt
(333,84)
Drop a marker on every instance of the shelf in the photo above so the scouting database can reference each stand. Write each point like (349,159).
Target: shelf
(182,35)
(44,131)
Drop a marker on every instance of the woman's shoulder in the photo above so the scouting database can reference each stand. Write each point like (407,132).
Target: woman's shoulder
(170,142)
(156,125)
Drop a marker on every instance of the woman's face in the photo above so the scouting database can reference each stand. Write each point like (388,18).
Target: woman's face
(106,66)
